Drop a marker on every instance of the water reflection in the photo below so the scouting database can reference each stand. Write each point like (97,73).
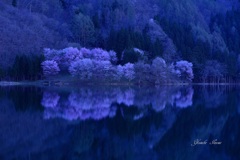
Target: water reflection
(96,103)
(119,122)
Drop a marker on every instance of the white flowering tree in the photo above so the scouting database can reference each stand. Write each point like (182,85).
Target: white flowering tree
(113,57)
(99,63)
(102,69)
(129,72)
(86,53)
(50,68)
(82,68)
(63,57)
(71,55)
(183,69)
(52,54)
(100,54)
(117,72)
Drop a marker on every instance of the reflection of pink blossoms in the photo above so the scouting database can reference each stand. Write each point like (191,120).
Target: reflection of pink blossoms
(126,97)
(184,99)
(83,105)
(50,99)
(158,105)
(183,69)
(90,106)
(91,103)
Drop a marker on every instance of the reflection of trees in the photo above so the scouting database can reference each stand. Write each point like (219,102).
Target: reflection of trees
(183,98)
(50,99)
(213,96)
(139,132)
(160,97)
(82,104)
(207,120)
(99,103)
(126,96)
(25,132)
(156,133)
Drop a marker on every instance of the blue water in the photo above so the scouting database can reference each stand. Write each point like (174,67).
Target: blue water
(105,122)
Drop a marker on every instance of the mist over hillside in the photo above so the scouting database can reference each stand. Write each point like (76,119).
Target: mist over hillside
(206,32)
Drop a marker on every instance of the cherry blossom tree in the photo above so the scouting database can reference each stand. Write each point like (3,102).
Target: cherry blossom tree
(71,55)
(100,54)
(129,72)
(113,57)
(82,68)
(50,68)
(100,63)
(117,72)
(102,69)
(52,54)
(86,53)
(183,69)
(59,56)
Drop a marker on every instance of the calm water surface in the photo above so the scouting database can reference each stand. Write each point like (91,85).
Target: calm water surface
(190,122)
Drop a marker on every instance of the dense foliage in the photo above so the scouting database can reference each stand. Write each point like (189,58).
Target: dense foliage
(202,32)
(100,65)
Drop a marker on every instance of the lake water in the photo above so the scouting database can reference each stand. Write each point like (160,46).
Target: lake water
(165,122)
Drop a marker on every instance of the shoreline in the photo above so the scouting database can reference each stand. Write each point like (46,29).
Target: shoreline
(9,83)
(59,83)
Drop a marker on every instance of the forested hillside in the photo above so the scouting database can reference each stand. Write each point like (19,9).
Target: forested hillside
(205,33)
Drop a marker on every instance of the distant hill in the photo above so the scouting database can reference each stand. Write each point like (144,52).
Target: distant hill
(198,31)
